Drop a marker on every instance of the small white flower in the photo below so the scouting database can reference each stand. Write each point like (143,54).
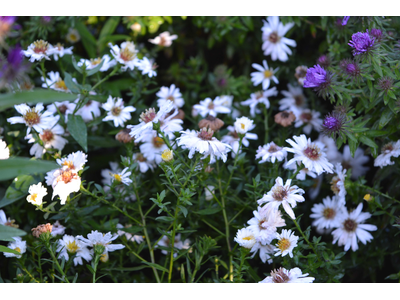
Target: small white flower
(117,112)
(178,244)
(65,182)
(283,194)
(232,139)
(244,124)
(287,241)
(311,154)
(211,107)
(143,164)
(288,276)
(164,39)
(74,161)
(294,100)
(64,107)
(73,36)
(89,111)
(59,51)
(153,147)
(354,163)
(259,97)
(18,245)
(70,245)
(270,152)
(130,237)
(126,55)
(147,67)
(36,194)
(169,125)
(203,142)
(97,238)
(265,252)
(389,150)
(337,183)
(245,238)
(108,173)
(38,50)
(93,63)
(309,118)
(57,229)
(331,150)
(4,220)
(264,76)
(172,93)
(4,150)
(327,214)
(274,42)
(123,177)
(55,82)
(352,229)
(302,173)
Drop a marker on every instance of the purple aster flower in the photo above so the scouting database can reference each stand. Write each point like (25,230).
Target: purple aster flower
(376,33)
(385,84)
(46,19)
(334,124)
(350,68)
(14,67)
(324,61)
(345,20)
(315,77)
(361,42)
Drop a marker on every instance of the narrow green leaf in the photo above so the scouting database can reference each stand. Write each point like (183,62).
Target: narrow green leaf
(71,85)
(8,250)
(109,27)
(158,267)
(89,42)
(19,188)
(77,128)
(15,166)
(165,218)
(208,211)
(386,116)
(7,233)
(367,141)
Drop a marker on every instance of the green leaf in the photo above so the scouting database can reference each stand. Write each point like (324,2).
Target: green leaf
(158,267)
(374,133)
(15,166)
(184,210)
(72,86)
(165,218)
(377,67)
(95,69)
(386,116)
(367,141)
(77,128)
(18,189)
(33,97)
(208,211)
(108,29)
(89,42)
(391,94)
(8,250)
(7,233)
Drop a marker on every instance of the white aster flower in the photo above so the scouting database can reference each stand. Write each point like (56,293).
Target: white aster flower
(294,100)
(270,152)
(245,238)
(282,194)
(274,42)
(226,100)
(327,214)
(352,229)
(264,224)
(288,276)
(211,107)
(172,93)
(337,183)
(59,51)
(389,150)
(57,229)
(89,111)
(164,39)
(178,244)
(4,150)
(108,173)
(148,118)
(55,82)
(73,36)
(257,98)
(153,147)
(64,107)
(33,117)
(6,221)
(264,76)
(309,118)
(18,245)
(147,67)
(302,173)
(36,194)
(70,245)
(117,112)
(122,177)
(243,125)
(203,142)
(74,161)
(169,125)
(126,55)
(130,237)
(311,154)
(354,163)
(38,50)
(143,164)
(265,252)
(233,139)
(331,150)
(97,238)
(287,241)
(65,182)
(93,63)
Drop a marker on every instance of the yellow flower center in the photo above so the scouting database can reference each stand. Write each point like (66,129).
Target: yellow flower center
(33,197)
(31,117)
(329,213)
(95,62)
(268,74)
(60,84)
(72,247)
(117,177)
(68,164)
(242,125)
(40,46)
(167,155)
(73,37)
(283,244)
(248,238)
(116,110)
(158,142)
(128,53)
(46,136)
(17,249)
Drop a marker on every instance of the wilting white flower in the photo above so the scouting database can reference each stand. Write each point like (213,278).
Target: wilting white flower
(57,229)
(93,63)
(164,39)
(116,111)
(288,276)
(36,194)
(38,50)
(264,76)
(172,93)
(143,163)
(4,150)
(211,107)
(18,245)
(59,51)
(245,238)
(294,100)
(233,139)
(287,241)
(265,252)
(327,214)
(70,245)
(309,118)
(147,67)
(389,150)
(270,152)
(337,183)
(126,55)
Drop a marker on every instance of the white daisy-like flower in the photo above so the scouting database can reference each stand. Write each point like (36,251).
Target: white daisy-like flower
(270,152)
(153,147)
(65,182)
(389,150)
(243,125)
(143,163)
(36,194)
(108,173)
(6,221)
(33,117)
(147,67)
(266,252)
(97,238)
(64,107)
(226,100)
(311,154)
(274,42)
(126,55)
(302,173)
(245,238)
(178,244)
(294,100)
(74,161)
(89,111)
(4,150)
(286,195)
(164,39)
(59,51)
(18,245)
(211,107)
(73,36)
(264,76)
(352,229)
(169,125)
(117,112)
(122,177)
(257,98)
(55,82)
(203,142)
(57,229)
(287,241)
(130,237)
(327,214)
(172,93)
(288,276)
(38,50)
(264,224)
(331,150)
(233,139)
(309,118)
(148,118)
(354,163)
(93,63)
(337,183)
(70,245)
(51,138)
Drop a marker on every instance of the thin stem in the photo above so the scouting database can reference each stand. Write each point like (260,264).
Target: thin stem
(305,238)
(29,274)
(48,247)
(44,72)
(375,191)
(105,78)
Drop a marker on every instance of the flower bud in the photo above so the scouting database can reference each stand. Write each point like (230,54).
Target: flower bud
(167,155)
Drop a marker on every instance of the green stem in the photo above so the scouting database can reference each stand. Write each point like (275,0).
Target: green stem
(305,238)
(375,191)
(44,72)
(108,76)
(48,247)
